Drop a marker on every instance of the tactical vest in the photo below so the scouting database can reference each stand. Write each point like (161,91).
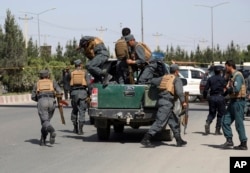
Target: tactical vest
(78,78)
(45,85)
(89,50)
(147,51)
(167,83)
(242,92)
(121,49)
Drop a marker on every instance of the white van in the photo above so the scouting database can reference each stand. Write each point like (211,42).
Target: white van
(193,76)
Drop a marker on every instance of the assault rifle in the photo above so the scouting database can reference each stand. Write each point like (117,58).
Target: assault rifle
(184,121)
(61,102)
(131,71)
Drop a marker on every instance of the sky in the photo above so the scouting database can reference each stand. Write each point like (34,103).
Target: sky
(186,23)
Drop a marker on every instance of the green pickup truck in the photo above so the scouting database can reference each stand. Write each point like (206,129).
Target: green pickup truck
(120,105)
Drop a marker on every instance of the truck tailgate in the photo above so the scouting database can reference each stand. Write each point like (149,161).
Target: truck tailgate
(120,96)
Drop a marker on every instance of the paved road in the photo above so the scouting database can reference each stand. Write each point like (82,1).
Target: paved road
(20,152)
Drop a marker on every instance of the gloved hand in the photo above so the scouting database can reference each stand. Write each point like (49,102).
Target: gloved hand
(88,100)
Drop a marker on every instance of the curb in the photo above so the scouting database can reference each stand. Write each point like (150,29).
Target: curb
(13,99)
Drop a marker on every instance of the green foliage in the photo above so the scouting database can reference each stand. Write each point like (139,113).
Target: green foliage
(20,66)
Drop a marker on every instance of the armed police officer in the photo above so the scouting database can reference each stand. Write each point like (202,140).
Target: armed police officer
(44,94)
(236,88)
(97,53)
(80,93)
(124,73)
(216,84)
(171,87)
(143,60)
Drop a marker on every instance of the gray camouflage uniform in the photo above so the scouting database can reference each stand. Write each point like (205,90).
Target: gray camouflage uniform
(79,103)
(95,65)
(46,105)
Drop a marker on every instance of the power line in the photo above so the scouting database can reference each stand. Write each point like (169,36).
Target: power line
(101,30)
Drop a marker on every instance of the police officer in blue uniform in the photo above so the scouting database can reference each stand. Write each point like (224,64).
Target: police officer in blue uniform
(149,67)
(44,94)
(80,92)
(236,88)
(165,103)
(122,69)
(97,53)
(216,84)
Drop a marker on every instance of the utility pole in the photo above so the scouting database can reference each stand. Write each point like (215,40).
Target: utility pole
(25,18)
(212,23)
(157,35)
(142,32)
(101,30)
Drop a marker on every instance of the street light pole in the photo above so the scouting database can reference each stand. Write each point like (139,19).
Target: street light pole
(212,23)
(38,21)
(142,21)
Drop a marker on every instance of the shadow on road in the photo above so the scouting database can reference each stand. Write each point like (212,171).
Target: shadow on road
(218,147)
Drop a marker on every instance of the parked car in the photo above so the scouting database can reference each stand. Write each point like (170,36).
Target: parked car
(193,76)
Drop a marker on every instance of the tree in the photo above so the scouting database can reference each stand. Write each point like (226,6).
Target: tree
(13,53)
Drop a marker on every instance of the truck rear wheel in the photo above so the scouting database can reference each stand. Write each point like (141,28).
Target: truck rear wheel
(91,120)
(103,133)
(118,128)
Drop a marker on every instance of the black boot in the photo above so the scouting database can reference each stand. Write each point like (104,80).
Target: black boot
(228,143)
(207,128)
(217,131)
(75,130)
(44,134)
(80,132)
(242,146)
(146,141)
(52,132)
(179,141)
(106,77)
(42,141)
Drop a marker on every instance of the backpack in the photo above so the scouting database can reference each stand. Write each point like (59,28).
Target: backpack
(121,49)
(148,52)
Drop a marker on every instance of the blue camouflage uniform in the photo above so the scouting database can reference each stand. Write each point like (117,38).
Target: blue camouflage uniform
(149,69)
(46,105)
(165,114)
(96,65)
(78,101)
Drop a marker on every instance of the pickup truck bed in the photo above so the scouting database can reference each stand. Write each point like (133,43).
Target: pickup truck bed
(123,105)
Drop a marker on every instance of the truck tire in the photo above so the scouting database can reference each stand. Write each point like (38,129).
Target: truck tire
(103,133)
(118,128)
(91,120)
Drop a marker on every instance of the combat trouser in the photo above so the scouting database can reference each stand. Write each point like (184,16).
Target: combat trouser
(235,112)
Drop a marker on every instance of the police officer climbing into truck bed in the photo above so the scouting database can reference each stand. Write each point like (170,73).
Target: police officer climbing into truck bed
(97,53)
(171,88)
(122,54)
(44,94)
(80,92)
(216,84)
(144,61)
